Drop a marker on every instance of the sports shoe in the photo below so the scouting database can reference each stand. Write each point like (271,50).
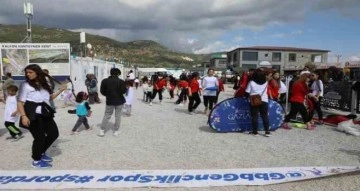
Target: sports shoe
(254,134)
(191,113)
(18,137)
(285,126)
(150,103)
(267,134)
(46,158)
(41,164)
(310,127)
(116,133)
(101,133)
(73,133)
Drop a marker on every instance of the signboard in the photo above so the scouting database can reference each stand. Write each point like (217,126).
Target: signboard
(52,56)
(65,179)
(233,115)
(337,95)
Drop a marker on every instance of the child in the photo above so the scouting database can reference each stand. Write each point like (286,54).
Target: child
(68,93)
(129,97)
(149,93)
(10,114)
(145,87)
(83,110)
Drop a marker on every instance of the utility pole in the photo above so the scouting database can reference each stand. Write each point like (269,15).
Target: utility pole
(28,12)
(338,56)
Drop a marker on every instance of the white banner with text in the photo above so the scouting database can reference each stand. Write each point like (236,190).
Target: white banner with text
(62,179)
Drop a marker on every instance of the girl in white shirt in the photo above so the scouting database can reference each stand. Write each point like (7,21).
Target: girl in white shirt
(36,113)
(210,85)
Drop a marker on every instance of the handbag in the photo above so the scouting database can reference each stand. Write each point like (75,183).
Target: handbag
(255,100)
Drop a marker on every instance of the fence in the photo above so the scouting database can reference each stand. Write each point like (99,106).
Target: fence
(339,95)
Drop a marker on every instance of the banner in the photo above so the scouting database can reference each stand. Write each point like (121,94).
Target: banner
(52,56)
(62,179)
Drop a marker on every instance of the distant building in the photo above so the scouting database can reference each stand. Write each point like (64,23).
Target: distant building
(281,58)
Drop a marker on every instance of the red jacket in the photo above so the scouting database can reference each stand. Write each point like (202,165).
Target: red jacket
(273,89)
(183,84)
(160,84)
(298,92)
(240,92)
(194,85)
(221,85)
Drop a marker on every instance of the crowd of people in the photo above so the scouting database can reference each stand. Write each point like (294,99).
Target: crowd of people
(305,94)
(35,107)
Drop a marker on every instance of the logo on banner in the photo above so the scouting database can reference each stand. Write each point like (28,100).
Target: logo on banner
(162,178)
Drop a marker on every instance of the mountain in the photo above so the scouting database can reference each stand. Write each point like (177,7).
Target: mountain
(142,53)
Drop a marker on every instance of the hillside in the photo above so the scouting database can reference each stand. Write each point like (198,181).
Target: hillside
(143,53)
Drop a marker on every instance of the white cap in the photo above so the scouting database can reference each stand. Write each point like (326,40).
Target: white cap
(304,72)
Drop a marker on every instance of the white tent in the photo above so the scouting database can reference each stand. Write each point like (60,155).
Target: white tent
(151,70)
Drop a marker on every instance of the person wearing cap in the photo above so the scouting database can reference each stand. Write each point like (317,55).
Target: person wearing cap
(299,92)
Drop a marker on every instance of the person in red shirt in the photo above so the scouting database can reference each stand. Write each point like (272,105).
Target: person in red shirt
(159,85)
(183,86)
(221,88)
(194,89)
(273,88)
(299,92)
(243,82)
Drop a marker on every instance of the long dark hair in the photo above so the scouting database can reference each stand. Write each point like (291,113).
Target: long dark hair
(40,80)
(259,76)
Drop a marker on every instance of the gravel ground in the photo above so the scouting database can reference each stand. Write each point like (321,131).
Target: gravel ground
(165,136)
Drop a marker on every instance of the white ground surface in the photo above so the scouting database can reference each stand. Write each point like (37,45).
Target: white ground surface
(166,137)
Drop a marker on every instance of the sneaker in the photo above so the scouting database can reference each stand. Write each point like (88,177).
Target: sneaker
(101,133)
(267,134)
(191,113)
(150,103)
(46,158)
(17,137)
(285,126)
(73,133)
(254,134)
(41,164)
(90,128)
(116,133)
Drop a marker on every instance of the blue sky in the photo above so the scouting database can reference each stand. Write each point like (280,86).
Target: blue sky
(205,26)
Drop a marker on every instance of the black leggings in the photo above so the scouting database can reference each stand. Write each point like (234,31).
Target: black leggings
(155,92)
(317,108)
(295,109)
(45,132)
(209,101)
(263,109)
(194,98)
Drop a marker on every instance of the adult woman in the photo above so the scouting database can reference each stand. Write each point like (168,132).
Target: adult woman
(299,93)
(210,85)
(258,86)
(317,91)
(274,86)
(37,114)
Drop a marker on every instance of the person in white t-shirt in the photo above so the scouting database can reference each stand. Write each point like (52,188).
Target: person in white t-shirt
(317,90)
(258,86)
(131,75)
(129,97)
(210,85)
(10,114)
(36,113)
(137,82)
